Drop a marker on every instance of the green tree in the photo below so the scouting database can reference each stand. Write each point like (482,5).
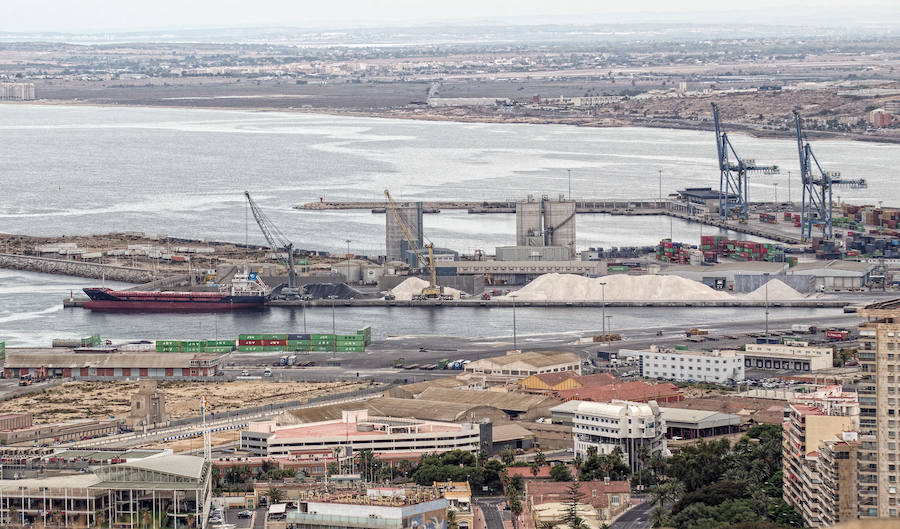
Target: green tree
(535,469)
(275,495)
(657,516)
(560,472)
(573,499)
(507,456)
(540,458)
(451,519)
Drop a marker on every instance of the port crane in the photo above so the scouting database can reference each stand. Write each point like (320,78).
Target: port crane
(432,291)
(734,173)
(277,240)
(816,205)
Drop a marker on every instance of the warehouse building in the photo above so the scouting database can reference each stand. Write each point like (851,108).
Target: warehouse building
(523,406)
(422,409)
(172,488)
(514,366)
(790,356)
(52,363)
(47,434)
(559,380)
(356,430)
(835,275)
(521,272)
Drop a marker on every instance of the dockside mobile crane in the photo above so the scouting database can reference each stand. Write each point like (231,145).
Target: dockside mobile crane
(433,290)
(278,242)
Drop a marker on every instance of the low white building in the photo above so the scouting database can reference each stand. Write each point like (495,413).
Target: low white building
(619,423)
(516,366)
(796,356)
(717,367)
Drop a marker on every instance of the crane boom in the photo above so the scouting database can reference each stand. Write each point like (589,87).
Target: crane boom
(277,240)
(432,291)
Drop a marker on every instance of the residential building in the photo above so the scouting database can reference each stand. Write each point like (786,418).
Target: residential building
(459,498)
(718,367)
(515,366)
(114,364)
(879,391)
(170,487)
(789,356)
(805,429)
(601,501)
(618,424)
(837,470)
(356,430)
(374,507)
(17,91)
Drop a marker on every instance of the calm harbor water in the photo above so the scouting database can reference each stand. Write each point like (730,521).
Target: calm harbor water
(182,172)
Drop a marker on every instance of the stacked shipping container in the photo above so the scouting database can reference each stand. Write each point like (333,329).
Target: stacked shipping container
(194,346)
(673,252)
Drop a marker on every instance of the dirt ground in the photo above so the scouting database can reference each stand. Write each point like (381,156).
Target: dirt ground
(196,443)
(83,400)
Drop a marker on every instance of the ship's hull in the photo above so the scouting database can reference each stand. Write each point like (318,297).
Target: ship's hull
(107,300)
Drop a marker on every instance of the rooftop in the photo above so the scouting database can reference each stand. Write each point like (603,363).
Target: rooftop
(701,418)
(637,390)
(552,379)
(512,401)
(616,408)
(510,432)
(536,359)
(594,492)
(345,430)
(29,358)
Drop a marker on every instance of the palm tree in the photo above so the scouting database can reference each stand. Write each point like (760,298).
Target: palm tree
(641,453)
(535,469)
(507,456)
(540,458)
(657,516)
(591,451)
(577,462)
(451,519)
(275,495)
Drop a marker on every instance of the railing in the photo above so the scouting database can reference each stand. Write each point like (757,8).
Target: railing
(333,520)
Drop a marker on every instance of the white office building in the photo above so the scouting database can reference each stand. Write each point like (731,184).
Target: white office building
(789,356)
(716,367)
(619,423)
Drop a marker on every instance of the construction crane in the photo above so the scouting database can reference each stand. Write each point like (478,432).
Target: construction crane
(277,240)
(816,206)
(432,291)
(734,173)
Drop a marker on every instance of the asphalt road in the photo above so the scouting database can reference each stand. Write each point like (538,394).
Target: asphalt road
(489,506)
(638,517)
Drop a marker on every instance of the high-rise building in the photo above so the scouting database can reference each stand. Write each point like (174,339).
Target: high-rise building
(16,91)
(879,391)
(620,424)
(396,246)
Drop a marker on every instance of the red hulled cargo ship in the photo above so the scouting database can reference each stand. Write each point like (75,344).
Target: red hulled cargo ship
(246,293)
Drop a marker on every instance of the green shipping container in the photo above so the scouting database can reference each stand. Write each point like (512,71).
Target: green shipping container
(315,337)
(302,262)
(250,337)
(168,343)
(354,343)
(250,348)
(220,343)
(218,349)
(681,348)
(351,349)
(342,337)
(320,349)
(193,343)
(274,337)
(274,348)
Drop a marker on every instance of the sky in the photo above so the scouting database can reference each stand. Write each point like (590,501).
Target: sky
(126,15)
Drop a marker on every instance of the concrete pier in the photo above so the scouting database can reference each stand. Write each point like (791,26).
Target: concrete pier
(688,212)
(76,268)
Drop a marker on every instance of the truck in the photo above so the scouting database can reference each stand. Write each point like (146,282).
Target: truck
(609,337)
(443,363)
(837,335)
(283,361)
(799,328)
(695,332)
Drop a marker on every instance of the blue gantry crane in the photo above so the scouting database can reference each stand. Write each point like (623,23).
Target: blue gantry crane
(816,207)
(734,173)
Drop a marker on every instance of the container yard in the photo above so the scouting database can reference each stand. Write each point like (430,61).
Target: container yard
(273,342)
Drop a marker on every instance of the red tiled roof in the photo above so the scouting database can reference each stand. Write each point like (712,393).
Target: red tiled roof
(595,492)
(637,391)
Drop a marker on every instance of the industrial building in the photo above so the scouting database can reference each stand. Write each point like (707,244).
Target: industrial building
(521,272)
(422,409)
(356,430)
(559,380)
(789,356)
(835,275)
(114,364)
(717,367)
(546,222)
(634,391)
(169,487)
(396,246)
(617,424)
(515,366)
(515,405)
(48,434)
(729,275)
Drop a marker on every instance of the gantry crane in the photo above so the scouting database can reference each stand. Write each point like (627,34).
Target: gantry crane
(277,240)
(734,172)
(816,207)
(432,291)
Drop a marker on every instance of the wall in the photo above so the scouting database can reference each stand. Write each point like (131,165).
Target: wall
(472,285)
(76,268)
(748,283)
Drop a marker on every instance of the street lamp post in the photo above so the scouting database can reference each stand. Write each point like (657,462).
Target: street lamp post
(515,337)
(609,341)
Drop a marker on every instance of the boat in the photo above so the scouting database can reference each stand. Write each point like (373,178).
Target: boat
(246,292)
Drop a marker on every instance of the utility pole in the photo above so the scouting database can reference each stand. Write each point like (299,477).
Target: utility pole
(515,337)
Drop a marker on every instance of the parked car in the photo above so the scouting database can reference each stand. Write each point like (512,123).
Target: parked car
(245,514)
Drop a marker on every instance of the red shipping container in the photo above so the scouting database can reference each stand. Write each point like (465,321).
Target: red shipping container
(249,342)
(274,342)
